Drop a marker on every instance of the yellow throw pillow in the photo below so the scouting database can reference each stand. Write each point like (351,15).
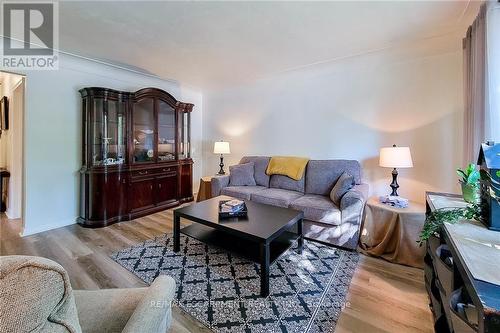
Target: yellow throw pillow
(293,167)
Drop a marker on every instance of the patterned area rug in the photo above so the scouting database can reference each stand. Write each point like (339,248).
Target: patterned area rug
(221,290)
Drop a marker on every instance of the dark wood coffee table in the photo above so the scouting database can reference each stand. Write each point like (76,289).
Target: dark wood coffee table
(262,236)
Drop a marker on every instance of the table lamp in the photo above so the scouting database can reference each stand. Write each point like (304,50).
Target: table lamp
(221,147)
(395,157)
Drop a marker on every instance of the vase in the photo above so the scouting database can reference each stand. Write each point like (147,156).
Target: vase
(470,193)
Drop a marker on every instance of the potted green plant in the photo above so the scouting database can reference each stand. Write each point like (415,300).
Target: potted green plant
(469,180)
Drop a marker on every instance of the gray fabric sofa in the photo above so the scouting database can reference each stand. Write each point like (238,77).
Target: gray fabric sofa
(324,221)
(36,296)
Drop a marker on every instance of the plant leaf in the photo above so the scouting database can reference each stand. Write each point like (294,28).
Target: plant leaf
(470,168)
(434,220)
(473,177)
(462,175)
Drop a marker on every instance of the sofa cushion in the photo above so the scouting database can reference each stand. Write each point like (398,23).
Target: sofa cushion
(321,175)
(318,208)
(241,175)
(287,183)
(344,184)
(241,192)
(260,167)
(276,197)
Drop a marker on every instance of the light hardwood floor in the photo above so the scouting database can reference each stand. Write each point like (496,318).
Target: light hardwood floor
(383,297)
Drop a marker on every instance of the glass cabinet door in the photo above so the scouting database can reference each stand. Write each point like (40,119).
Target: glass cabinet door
(166,132)
(143,130)
(185,136)
(109,140)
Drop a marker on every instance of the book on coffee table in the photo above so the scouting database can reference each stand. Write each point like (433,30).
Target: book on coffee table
(232,208)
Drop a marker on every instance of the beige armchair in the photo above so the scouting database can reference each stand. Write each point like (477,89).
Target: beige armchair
(36,296)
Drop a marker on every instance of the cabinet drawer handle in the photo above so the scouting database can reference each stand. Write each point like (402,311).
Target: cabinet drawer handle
(151,187)
(143,172)
(159,185)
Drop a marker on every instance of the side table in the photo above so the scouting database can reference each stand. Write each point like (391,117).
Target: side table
(3,174)
(392,233)
(205,189)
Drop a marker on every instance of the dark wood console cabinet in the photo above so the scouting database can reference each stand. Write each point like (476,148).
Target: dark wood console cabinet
(135,154)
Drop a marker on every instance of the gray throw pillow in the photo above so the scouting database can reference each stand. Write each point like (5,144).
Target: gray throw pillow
(344,184)
(242,175)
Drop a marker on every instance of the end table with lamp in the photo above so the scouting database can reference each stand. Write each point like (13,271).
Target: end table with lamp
(392,224)
(205,189)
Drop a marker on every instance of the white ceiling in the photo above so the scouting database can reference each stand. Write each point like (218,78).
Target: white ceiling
(214,44)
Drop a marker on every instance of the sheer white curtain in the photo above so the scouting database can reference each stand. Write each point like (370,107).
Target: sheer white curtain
(482,80)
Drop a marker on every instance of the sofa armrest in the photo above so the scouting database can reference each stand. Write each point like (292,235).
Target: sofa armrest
(352,204)
(128,310)
(154,311)
(106,310)
(218,183)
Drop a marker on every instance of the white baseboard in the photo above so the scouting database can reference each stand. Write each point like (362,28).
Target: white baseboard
(46,227)
(11,215)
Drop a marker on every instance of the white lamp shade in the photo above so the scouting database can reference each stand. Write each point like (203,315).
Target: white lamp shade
(221,147)
(395,157)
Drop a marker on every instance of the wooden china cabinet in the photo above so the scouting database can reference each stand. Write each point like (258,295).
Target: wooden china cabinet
(135,153)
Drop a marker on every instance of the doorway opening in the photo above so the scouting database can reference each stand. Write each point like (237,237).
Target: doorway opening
(12,92)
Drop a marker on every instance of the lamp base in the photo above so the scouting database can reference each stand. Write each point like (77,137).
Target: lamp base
(394,185)
(221,164)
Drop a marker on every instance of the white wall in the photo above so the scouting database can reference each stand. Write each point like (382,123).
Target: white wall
(410,95)
(53,134)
